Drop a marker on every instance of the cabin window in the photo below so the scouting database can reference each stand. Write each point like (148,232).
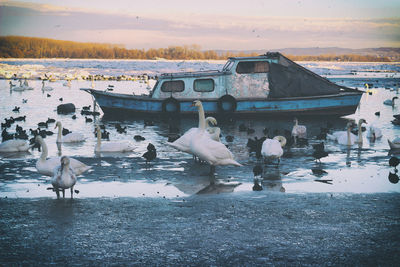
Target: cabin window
(252,67)
(203,85)
(228,65)
(173,86)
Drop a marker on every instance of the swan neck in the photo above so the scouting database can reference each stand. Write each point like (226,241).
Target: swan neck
(359,134)
(348,136)
(202,121)
(98,137)
(59,133)
(43,156)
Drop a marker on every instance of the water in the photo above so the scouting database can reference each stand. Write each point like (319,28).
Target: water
(174,174)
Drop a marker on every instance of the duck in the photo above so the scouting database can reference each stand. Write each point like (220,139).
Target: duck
(390,102)
(150,154)
(46,165)
(117,146)
(394,144)
(46,88)
(207,149)
(68,138)
(298,131)
(319,151)
(63,178)
(273,148)
(14,145)
(183,142)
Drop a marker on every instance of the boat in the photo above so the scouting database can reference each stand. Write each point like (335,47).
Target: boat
(269,84)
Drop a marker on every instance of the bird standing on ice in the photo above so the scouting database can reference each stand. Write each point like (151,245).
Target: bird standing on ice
(298,131)
(273,148)
(207,149)
(64,178)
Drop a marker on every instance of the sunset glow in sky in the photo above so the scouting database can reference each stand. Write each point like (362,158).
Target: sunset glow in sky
(239,25)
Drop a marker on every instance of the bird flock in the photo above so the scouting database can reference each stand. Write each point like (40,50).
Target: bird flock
(203,143)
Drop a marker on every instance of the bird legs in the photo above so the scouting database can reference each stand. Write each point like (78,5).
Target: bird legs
(212,171)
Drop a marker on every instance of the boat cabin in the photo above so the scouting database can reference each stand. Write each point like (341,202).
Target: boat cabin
(241,77)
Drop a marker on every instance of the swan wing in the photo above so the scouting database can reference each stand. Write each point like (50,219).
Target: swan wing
(271,148)
(183,142)
(215,153)
(78,167)
(73,137)
(123,146)
(14,146)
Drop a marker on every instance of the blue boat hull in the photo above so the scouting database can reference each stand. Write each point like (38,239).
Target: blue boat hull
(340,104)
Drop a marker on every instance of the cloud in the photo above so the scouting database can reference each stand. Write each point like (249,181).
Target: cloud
(209,31)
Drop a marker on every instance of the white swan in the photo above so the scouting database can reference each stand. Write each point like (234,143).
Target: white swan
(46,88)
(69,138)
(207,149)
(298,131)
(17,88)
(183,142)
(374,132)
(46,166)
(273,148)
(120,146)
(26,85)
(14,146)
(67,83)
(395,143)
(346,137)
(214,133)
(390,102)
(64,177)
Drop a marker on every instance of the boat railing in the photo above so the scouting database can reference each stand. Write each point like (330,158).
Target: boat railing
(194,73)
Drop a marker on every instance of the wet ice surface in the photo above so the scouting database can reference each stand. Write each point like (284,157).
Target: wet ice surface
(358,170)
(171,213)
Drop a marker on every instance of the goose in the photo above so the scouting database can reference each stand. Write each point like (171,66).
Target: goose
(70,137)
(46,166)
(46,88)
(14,145)
(390,102)
(298,131)
(394,144)
(207,149)
(183,142)
(273,148)
(64,177)
(120,146)
(374,132)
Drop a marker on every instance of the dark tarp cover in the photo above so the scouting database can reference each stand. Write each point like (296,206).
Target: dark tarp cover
(295,81)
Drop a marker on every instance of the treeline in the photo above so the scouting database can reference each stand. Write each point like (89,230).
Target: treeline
(31,47)
(350,57)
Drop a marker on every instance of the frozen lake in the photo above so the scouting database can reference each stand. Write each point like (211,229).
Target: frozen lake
(170,212)
(358,170)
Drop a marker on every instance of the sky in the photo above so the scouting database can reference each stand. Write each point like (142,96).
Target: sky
(210,24)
